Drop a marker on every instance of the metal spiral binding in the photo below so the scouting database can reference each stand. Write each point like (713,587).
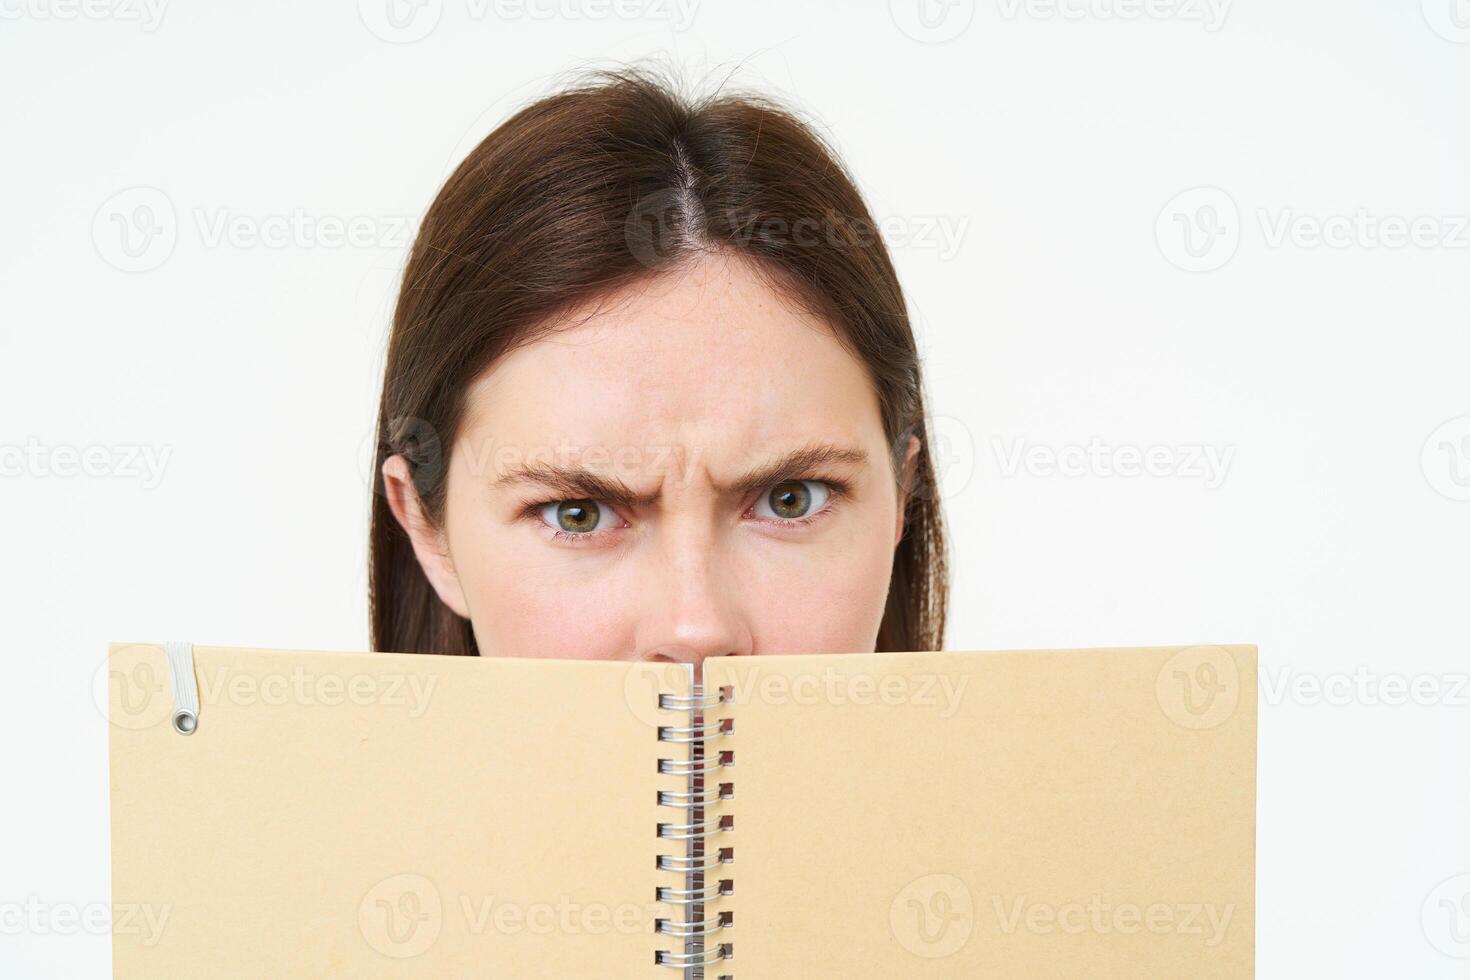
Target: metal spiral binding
(699,864)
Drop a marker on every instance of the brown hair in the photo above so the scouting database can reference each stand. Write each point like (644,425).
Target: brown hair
(594,188)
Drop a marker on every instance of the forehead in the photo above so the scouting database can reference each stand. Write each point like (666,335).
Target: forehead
(707,358)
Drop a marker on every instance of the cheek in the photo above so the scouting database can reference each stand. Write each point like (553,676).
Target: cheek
(552,608)
(821,599)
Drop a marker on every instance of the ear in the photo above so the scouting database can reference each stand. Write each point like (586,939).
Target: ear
(430,544)
(905,484)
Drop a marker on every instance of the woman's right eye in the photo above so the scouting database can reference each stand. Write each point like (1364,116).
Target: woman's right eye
(578,517)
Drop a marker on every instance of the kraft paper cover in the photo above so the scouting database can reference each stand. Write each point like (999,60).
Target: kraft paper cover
(1079,813)
(373,815)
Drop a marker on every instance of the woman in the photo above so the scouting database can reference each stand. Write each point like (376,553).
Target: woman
(652,393)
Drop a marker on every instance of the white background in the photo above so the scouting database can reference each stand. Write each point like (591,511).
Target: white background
(1037,167)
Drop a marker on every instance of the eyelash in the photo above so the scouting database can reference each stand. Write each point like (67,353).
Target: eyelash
(837,490)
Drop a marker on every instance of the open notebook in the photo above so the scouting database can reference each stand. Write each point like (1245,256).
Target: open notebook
(1059,813)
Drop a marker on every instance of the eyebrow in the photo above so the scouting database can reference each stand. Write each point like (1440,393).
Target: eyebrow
(579,483)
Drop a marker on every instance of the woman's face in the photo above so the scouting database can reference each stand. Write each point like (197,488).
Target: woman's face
(690,468)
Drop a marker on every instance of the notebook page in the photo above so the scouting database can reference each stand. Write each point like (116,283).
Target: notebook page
(1009,814)
(366,815)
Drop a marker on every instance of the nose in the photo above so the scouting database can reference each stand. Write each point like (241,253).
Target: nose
(691,608)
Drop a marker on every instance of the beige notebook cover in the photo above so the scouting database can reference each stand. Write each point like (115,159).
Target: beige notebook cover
(377,815)
(1018,814)
(1073,813)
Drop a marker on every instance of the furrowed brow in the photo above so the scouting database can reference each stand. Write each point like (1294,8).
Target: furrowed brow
(578,483)
(795,465)
(575,483)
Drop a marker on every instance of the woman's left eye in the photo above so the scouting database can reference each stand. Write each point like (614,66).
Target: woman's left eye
(793,499)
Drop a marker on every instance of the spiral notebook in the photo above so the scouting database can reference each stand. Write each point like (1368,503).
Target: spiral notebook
(1063,813)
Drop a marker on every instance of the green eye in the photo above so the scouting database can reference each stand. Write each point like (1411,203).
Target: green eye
(792,499)
(573,516)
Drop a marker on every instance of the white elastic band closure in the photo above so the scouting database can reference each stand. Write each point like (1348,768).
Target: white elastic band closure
(186,692)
